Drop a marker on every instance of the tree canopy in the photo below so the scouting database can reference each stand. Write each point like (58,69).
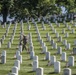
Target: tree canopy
(21,8)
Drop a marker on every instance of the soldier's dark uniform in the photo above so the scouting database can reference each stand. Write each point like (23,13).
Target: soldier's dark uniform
(24,42)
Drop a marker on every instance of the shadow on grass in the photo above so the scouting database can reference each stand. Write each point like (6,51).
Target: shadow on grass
(51,73)
(30,71)
(74,74)
(41,53)
(0,63)
(13,58)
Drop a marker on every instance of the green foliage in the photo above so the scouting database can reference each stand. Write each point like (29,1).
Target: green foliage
(70,5)
(22,8)
(6,3)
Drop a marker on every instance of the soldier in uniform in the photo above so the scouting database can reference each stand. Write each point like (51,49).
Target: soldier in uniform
(24,42)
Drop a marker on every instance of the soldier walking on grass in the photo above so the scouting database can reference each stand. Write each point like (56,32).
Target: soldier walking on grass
(24,42)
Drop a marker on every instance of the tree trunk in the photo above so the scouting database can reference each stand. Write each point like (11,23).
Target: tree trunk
(5,13)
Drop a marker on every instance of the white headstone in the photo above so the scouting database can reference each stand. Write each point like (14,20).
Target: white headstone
(71,21)
(59,50)
(9,45)
(52,28)
(41,41)
(47,34)
(63,31)
(57,35)
(20,58)
(49,38)
(65,42)
(60,38)
(68,46)
(74,24)
(31,44)
(67,71)
(39,71)
(15,70)
(71,61)
(44,49)
(17,53)
(64,22)
(38,19)
(63,56)
(57,67)
(47,56)
(3,53)
(52,42)
(55,46)
(73,31)
(50,25)
(6,34)
(67,35)
(56,22)
(31,48)
(35,58)
(29,26)
(52,60)
(32,54)
(69,27)
(66,25)
(35,65)
(20,48)
(17,64)
(54,31)
(39,37)
(58,25)
(11,40)
(3,57)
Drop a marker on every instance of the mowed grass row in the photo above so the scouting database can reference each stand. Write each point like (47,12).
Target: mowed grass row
(26,67)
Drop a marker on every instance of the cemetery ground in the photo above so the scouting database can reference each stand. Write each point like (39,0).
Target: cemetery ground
(26,65)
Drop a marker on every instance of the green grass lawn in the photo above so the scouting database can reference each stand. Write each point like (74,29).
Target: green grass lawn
(26,67)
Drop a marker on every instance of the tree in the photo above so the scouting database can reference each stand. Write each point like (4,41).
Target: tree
(70,5)
(42,7)
(21,8)
(32,6)
(5,6)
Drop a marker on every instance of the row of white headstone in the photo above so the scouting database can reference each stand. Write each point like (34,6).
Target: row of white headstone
(57,35)
(39,71)
(64,42)
(4,36)
(12,37)
(54,18)
(57,67)
(35,65)
(66,71)
(53,59)
(17,63)
(59,51)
